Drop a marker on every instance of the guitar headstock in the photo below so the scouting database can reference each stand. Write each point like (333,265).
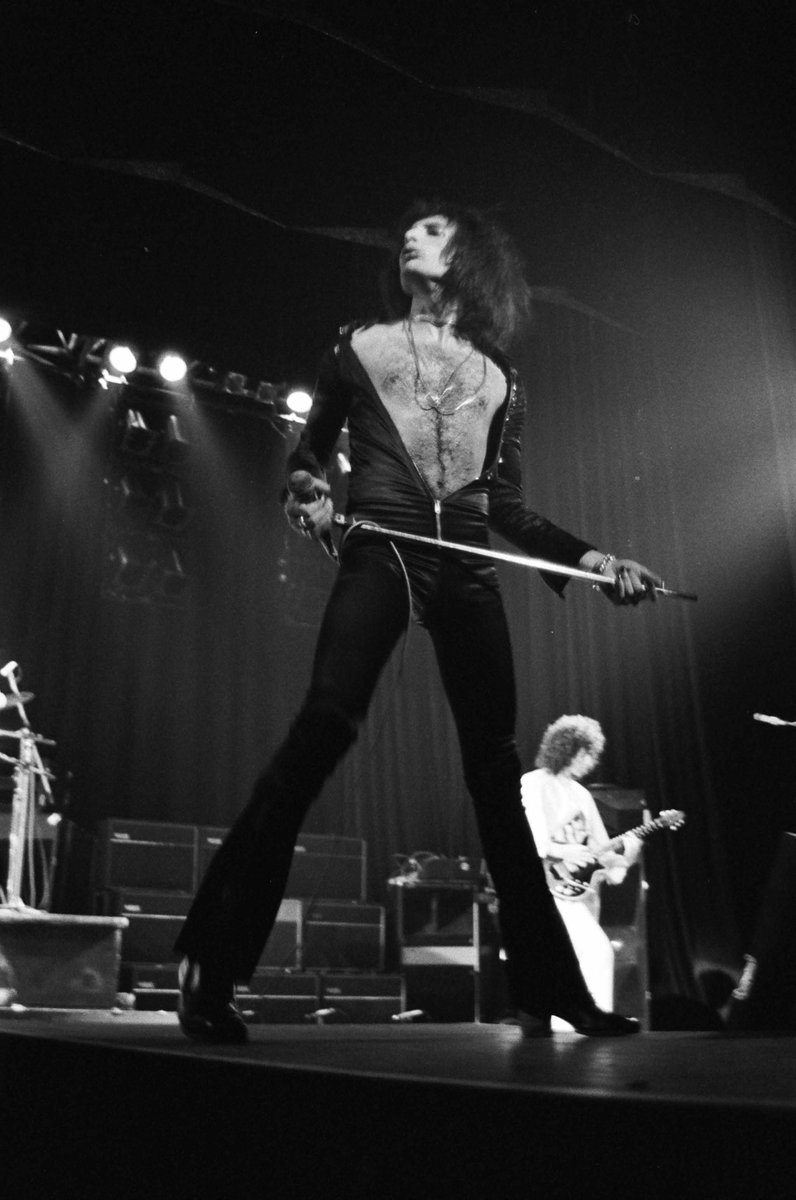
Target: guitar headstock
(671,818)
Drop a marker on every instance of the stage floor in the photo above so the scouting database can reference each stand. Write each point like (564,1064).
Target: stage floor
(708,1068)
(471,1105)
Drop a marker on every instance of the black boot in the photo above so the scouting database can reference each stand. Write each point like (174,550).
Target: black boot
(588,1019)
(207,1011)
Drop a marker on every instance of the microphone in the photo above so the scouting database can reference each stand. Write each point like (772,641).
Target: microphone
(301,486)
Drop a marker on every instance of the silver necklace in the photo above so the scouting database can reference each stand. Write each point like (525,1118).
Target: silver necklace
(428,400)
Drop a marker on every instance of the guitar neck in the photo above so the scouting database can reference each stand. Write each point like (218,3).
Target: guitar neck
(640,831)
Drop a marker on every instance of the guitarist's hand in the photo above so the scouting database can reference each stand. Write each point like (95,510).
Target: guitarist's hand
(573,854)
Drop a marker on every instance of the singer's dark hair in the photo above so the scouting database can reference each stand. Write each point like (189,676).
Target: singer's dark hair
(562,740)
(485,276)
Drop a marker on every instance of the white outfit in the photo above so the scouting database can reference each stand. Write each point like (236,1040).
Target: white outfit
(561,810)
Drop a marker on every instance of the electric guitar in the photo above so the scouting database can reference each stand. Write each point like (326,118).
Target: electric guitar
(574,883)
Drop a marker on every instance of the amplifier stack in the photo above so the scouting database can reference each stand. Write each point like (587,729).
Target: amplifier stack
(326,953)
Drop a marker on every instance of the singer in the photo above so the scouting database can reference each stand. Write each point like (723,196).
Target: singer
(435,414)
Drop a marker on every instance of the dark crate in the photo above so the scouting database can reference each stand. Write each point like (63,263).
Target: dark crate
(145,854)
(150,938)
(445,993)
(344,935)
(330,867)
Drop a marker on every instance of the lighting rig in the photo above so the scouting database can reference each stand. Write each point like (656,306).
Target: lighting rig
(88,360)
(147,479)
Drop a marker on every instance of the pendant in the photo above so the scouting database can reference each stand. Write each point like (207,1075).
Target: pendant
(435,399)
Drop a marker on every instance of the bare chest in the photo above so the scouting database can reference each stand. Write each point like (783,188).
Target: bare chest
(441,398)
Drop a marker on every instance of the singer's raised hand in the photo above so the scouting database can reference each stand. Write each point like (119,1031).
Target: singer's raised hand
(308,506)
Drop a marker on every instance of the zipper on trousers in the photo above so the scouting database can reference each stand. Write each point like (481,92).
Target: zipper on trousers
(438,518)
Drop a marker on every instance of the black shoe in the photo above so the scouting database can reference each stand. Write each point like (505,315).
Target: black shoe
(208,1016)
(595,1022)
(589,1020)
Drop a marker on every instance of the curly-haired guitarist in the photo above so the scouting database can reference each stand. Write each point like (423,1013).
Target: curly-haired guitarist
(568,831)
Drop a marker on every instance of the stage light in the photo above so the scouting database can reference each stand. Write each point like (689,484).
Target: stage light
(234,383)
(138,438)
(267,393)
(129,572)
(176,444)
(122,360)
(298,401)
(173,512)
(172,368)
(5,330)
(173,580)
(133,499)
(8,356)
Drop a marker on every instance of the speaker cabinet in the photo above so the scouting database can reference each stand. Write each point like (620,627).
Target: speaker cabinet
(331,868)
(344,935)
(145,854)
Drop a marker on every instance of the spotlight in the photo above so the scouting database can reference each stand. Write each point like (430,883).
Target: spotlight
(133,498)
(173,509)
(138,438)
(5,329)
(173,581)
(298,401)
(176,445)
(129,571)
(234,383)
(267,393)
(172,368)
(122,360)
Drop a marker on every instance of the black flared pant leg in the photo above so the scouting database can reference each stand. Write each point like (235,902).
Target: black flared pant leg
(471,638)
(238,899)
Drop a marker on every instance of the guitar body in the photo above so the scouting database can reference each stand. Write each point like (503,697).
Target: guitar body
(578,883)
(569,883)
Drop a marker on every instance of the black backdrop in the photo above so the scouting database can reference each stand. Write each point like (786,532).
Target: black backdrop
(660,369)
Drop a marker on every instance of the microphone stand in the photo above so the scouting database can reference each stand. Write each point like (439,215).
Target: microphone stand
(520,560)
(28,768)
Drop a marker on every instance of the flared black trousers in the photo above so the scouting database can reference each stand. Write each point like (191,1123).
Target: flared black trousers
(375,594)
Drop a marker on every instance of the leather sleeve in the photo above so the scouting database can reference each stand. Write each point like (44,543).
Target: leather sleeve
(509,515)
(331,399)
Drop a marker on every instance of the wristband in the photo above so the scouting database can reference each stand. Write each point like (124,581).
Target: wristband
(605,561)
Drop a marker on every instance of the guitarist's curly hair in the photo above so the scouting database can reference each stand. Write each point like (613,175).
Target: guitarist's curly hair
(563,739)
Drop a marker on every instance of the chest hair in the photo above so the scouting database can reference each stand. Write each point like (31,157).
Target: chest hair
(443,413)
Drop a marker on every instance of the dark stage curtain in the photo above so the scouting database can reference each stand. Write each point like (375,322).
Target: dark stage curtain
(670,439)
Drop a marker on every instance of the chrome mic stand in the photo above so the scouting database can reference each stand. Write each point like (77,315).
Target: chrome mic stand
(28,769)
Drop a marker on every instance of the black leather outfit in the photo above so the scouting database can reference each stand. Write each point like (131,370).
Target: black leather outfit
(456,597)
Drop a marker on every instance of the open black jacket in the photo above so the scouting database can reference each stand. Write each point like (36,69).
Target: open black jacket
(385,485)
